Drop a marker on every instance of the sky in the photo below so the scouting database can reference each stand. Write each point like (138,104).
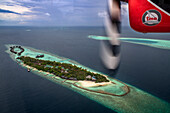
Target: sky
(56,12)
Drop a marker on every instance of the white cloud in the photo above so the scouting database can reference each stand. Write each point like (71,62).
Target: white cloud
(80,12)
(47,14)
(22,22)
(26,13)
(16,8)
(8,1)
(16,17)
(102,14)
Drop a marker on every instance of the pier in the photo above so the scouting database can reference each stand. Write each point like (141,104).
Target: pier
(12,49)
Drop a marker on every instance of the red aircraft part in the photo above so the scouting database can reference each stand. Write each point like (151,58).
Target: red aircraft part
(146,17)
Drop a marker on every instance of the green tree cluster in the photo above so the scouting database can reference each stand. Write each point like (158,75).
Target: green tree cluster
(62,69)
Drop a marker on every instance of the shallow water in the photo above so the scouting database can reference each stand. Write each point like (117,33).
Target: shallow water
(142,66)
(157,43)
(129,96)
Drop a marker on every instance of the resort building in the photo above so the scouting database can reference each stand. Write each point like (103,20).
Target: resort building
(88,77)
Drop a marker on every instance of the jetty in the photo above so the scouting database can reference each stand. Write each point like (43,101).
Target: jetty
(12,49)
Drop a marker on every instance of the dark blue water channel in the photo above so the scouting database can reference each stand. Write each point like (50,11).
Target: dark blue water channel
(22,92)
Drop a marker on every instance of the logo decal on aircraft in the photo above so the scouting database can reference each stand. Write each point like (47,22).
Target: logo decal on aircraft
(151,18)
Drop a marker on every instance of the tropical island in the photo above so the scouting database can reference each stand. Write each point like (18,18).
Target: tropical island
(102,88)
(63,70)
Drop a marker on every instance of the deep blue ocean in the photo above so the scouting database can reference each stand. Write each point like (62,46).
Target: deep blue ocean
(144,67)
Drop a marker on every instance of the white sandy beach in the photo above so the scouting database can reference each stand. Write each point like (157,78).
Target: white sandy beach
(93,84)
(84,83)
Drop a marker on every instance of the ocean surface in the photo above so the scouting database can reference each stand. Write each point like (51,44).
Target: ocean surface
(144,67)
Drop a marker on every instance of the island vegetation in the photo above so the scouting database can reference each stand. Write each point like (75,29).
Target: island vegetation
(63,70)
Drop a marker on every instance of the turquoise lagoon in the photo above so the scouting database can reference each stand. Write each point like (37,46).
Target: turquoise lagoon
(157,43)
(136,101)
